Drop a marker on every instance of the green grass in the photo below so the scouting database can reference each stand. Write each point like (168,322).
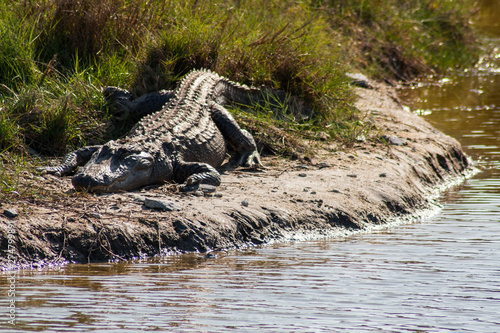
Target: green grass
(55,56)
(400,40)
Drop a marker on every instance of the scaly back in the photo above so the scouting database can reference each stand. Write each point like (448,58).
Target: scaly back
(186,114)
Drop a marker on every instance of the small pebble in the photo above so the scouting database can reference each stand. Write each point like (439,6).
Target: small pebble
(244,203)
(359,80)
(302,175)
(383,174)
(352,176)
(218,195)
(11,213)
(324,165)
(164,205)
(394,140)
(313,192)
(335,191)
(95,215)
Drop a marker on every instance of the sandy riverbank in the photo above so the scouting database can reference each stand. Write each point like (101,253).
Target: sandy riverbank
(337,192)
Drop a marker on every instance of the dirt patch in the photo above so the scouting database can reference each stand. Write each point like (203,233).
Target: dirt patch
(336,192)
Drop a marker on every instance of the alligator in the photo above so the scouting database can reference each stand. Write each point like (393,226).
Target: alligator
(181,137)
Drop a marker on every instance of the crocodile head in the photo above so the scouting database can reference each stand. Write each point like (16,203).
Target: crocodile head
(116,167)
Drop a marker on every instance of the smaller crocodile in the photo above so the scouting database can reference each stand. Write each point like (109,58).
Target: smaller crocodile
(181,137)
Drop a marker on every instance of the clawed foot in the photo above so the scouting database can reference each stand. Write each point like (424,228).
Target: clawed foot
(247,159)
(57,171)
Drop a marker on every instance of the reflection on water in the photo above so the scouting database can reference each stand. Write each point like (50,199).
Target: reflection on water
(434,276)
(466,107)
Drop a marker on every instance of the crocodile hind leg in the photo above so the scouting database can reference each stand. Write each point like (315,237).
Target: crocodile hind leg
(121,102)
(239,139)
(71,161)
(191,174)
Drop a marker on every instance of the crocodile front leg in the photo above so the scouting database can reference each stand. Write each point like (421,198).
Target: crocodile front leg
(194,173)
(71,161)
(239,139)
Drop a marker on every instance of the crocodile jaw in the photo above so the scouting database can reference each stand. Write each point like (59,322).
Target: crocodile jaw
(114,173)
(104,183)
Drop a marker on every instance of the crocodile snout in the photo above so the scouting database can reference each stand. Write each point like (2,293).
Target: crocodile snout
(87,182)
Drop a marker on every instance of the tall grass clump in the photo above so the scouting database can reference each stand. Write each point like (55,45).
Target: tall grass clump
(16,66)
(16,59)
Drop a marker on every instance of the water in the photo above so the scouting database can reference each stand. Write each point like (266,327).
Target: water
(438,275)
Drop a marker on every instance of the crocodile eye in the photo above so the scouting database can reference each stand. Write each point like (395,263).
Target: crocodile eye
(143,160)
(144,164)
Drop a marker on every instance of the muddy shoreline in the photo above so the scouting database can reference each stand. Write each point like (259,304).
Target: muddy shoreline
(335,193)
